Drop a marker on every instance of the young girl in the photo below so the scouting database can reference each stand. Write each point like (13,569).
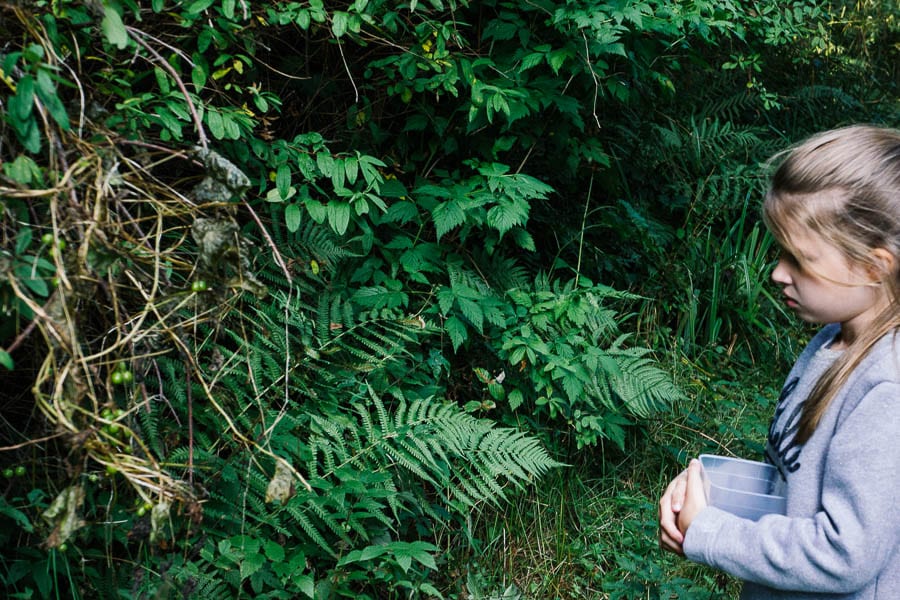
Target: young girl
(834,207)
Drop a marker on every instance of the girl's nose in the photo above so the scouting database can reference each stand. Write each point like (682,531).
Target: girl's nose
(780,273)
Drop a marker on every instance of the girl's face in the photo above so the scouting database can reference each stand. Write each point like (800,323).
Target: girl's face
(822,286)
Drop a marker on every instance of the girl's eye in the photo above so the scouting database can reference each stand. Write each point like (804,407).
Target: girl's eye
(790,259)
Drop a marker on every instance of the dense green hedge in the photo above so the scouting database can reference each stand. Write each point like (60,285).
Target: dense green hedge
(291,289)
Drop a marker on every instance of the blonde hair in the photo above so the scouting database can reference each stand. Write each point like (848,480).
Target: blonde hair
(843,185)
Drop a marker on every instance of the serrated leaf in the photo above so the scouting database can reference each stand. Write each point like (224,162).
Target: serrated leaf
(392,188)
(515,399)
(447,216)
(456,329)
(274,551)
(523,239)
(22,170)
(507,213)
(307,585)
(472,311)
(400,212)
(405,562)
(251,564)
(531,60)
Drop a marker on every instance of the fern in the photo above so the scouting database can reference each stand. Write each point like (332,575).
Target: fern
(580,367)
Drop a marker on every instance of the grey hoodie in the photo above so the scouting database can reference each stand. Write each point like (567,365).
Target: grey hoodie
(840,538)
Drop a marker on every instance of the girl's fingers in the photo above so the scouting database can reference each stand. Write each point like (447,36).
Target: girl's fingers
(694,498)
(670,545)
(670,537)
(679,488)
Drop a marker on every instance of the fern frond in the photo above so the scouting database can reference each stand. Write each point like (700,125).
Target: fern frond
(296,508)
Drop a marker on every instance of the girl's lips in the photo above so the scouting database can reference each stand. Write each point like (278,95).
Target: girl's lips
(790,302)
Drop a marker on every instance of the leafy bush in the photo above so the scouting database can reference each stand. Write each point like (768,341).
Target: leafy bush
(292,289)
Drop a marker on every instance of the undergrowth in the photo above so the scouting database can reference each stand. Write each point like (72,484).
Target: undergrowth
(590,530)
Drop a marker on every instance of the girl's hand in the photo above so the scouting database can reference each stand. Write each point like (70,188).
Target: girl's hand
(694,498)
(670,537)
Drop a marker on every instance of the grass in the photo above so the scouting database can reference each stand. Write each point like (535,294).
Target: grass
(589,531)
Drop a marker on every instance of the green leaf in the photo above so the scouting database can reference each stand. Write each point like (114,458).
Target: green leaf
(113,27)
(421,551)
(325,162)
(366,554)
(7,361)
(199,75)
(35,284)
(401,212)
(392,188)
(283,180)
(22,170)
(515,399)
(30,136)
(472,312)
(307,585)
(339,216)
(293,217)
(404,561)
(447,215)
(339,21)
(24,99)
(507,214)
(456,329)
(274,551)
(523,239)
(46,91)
(216,124)
(351,168)
(316,210)
(252,564)
(199,6)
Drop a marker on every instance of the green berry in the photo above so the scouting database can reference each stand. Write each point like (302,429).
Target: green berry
(127,377)
(111,470)
(141,511)
(198,286)
(117,377)
(47,239)
(63,547)
(20,471)
(8,473)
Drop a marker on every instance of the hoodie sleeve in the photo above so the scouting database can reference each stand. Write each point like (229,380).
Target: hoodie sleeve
(846,544)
